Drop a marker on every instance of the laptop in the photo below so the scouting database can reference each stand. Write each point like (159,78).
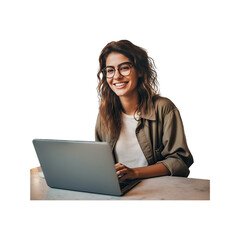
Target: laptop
(80,166)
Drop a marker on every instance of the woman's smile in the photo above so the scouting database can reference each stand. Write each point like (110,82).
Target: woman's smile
(120,85)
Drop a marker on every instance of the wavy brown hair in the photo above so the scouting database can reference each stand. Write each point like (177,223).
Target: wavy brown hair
(110,109)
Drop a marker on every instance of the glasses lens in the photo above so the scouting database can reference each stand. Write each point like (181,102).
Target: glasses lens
(109,72)
(125,69)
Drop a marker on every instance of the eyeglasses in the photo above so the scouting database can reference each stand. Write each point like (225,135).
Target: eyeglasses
(124,69)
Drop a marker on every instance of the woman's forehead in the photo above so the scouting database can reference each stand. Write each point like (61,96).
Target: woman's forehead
(114,59)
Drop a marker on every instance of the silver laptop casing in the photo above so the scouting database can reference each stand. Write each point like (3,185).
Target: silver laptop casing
(79,166)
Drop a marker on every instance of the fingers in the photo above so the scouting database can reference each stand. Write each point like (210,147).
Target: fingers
(119,166)
(123,178)
(121,169)
(124,172)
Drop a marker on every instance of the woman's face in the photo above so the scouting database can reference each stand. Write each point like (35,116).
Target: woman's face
(123,86)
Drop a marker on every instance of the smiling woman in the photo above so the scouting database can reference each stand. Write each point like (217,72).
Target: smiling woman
(144,129)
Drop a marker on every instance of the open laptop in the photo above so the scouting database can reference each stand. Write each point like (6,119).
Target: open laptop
(80,166)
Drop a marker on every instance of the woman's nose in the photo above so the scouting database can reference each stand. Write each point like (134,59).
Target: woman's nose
(117,75)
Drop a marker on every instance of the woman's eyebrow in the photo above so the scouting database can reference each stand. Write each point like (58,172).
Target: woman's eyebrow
(120,64)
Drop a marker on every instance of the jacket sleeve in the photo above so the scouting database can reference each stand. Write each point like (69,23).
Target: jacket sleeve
(176,155)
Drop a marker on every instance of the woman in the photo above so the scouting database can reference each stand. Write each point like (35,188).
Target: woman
(144,130)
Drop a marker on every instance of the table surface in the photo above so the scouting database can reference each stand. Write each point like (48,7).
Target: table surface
(158,188)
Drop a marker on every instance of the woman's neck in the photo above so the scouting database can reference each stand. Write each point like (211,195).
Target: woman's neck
(129,104)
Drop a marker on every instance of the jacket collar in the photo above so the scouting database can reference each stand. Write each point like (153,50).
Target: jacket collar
(149,113)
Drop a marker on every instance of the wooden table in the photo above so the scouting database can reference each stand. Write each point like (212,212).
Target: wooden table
(158,188)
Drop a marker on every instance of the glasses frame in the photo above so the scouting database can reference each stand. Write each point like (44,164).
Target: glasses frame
(119,66)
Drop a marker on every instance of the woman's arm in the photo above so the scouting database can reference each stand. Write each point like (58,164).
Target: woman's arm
(175,154)
(156,170)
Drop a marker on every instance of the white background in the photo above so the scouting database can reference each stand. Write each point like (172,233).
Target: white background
(48,64)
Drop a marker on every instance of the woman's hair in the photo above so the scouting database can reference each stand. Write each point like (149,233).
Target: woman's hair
(110,109)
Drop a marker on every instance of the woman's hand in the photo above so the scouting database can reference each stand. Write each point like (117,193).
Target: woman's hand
(124,172)
(155,170)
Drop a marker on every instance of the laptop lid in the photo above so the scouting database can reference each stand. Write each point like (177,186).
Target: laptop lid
(79,166)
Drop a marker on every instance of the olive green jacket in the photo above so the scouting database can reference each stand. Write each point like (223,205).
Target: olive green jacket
(161,136)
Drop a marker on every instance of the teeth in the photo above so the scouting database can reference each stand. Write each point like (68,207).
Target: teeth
(119,84)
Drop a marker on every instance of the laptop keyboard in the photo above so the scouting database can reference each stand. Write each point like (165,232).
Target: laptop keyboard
(123,184)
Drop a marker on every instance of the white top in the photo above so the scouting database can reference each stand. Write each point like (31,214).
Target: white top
(127,150)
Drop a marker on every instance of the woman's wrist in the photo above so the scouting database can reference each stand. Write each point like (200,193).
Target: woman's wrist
(136,172)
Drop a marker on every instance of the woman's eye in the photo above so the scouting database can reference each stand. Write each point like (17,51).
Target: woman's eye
(124,67)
